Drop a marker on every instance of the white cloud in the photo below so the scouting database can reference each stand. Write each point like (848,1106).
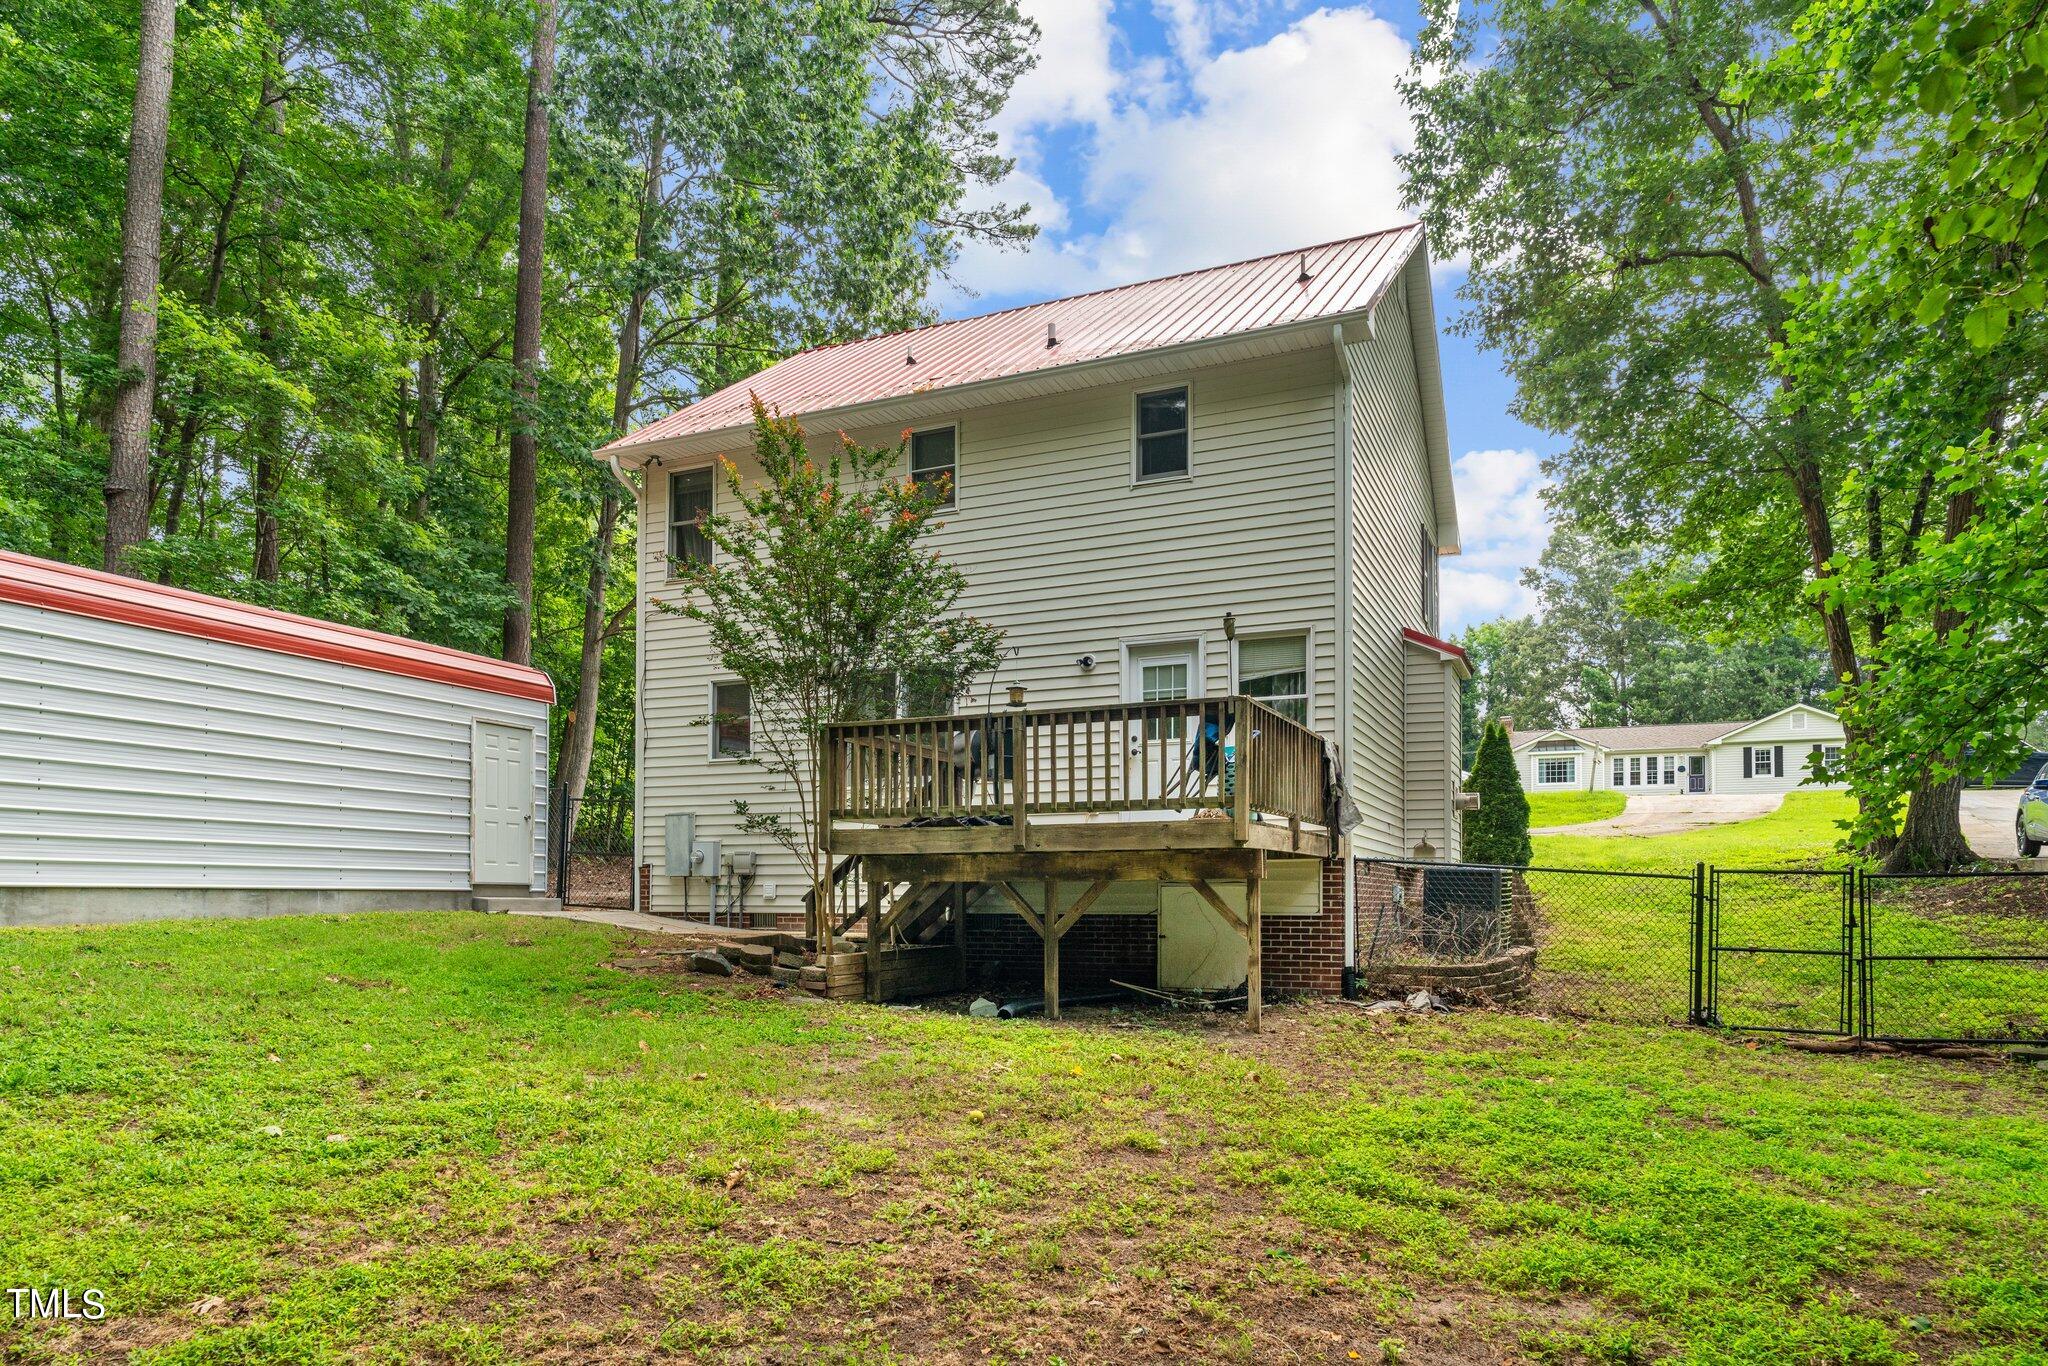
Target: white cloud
(1504,524)
(1199,160)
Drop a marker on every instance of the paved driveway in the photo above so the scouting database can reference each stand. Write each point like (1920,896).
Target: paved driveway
(1671,814)
(1988,814)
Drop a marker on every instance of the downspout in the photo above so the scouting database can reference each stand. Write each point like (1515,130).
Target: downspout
(1344,627)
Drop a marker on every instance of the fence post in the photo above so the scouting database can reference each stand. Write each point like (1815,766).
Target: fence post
(1696,1012)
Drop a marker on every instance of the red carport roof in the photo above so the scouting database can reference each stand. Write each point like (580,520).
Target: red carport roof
(111,597)
(1199,305)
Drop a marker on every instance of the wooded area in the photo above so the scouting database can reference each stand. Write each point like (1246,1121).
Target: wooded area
(325,306)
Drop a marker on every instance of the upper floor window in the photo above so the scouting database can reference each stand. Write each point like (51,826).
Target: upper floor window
(1275,670)
(1163,434)
(932,459)
(689,503)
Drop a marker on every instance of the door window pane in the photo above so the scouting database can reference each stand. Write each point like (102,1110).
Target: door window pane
(1165,681)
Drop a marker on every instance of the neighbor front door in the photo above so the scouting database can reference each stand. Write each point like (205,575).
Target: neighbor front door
(501,806)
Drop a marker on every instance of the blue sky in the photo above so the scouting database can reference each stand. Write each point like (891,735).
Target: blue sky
(1161,135)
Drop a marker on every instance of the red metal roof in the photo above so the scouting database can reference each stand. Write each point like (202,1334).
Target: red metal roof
(1432,642)
(1199,305)
(111,597)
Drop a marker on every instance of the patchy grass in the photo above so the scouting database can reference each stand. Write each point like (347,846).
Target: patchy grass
(1573,808)
(462,1138)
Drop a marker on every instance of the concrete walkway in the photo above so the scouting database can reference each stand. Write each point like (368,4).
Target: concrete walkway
(1675,813)
(652,924)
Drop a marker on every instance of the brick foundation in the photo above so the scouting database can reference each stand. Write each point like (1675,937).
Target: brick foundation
(1003,951)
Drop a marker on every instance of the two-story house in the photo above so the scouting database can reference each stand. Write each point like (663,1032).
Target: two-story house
(1227,484)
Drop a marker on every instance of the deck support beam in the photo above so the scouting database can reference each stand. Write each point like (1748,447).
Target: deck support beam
(874,944)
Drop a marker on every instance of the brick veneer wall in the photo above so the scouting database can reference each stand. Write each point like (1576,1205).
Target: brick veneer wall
(1304,955)
(1004,951)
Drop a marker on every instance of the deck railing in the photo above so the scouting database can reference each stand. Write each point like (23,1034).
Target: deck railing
(1234,754)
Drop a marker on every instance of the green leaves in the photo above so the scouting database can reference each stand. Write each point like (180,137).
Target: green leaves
(1986,324)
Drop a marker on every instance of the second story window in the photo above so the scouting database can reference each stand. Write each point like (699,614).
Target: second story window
(732,720)
(1163,434)
(932,458)
(689,503)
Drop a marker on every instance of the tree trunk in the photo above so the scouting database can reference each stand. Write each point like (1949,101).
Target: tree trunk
(142,226)
(522,468)
(269,427)
(573,773)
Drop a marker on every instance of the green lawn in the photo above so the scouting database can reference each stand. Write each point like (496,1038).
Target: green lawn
(1573,808)
(452,1137)
(1801,833)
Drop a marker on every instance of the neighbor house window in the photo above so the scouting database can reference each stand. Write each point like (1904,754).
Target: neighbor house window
(1831,754)
(732,720)
(1163,434)
(1635,772)
(932,460)
(1670,769)
(1650,771)
(1275,670)
(1760,761)
(689,503)
(1620,772)
(1551,771)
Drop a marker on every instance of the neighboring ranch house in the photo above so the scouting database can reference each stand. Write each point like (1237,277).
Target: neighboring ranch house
(165,753)
(1227,483)
(1774,754)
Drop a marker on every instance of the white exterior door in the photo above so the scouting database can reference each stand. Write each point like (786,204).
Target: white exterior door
(501,805)
(1158,673)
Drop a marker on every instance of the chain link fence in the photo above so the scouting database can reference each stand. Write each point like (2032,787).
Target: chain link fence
(1953,957)
(590,856)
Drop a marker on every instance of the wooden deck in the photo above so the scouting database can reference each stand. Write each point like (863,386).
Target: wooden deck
(916,812)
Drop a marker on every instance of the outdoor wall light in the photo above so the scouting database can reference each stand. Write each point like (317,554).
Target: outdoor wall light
(1085,663)
(1230,626)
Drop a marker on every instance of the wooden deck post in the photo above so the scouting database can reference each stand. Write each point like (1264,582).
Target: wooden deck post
(874,940)
(1051,934)
(1241,794)
(1020,777)
(960,935)
(1254,985)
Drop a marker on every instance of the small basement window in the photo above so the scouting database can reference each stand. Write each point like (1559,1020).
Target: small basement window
(732,720)
(933,458)
(689,503)
(1163,434)
(1275,670)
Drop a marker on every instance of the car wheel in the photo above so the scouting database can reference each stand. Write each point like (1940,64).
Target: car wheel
(2028,848)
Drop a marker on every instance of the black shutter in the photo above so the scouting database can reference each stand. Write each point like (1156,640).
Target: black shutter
(1778,760)
(1747,761)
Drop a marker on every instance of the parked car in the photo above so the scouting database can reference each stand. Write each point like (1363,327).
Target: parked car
(2032,822)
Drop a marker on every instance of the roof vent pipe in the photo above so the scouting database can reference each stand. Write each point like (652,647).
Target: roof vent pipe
(1052,337)
(1304,277)
(909,356)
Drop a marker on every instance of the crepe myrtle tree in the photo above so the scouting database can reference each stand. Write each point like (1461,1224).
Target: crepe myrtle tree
(820,595)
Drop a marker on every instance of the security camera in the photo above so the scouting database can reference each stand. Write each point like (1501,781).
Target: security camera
(1086,662)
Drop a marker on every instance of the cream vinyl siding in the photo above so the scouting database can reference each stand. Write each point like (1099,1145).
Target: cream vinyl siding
(1390,503)
(1432,753)
(1065,553)
(1726,756)
(132,757)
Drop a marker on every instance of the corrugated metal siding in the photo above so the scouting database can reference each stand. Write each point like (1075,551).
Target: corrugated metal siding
(138,758)
(1221,301)
(1390,505)
(1070,559)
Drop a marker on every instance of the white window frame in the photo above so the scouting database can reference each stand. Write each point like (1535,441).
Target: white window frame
(1635,770)
(1760,765)
(668,514)
(1308,664)
(1165,384)
(1672,770)
(952,503)
(1571,770)
(711,711)
(1620,771)
(1796,721)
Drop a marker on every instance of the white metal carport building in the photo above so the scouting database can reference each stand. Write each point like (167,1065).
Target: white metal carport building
(165,753)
